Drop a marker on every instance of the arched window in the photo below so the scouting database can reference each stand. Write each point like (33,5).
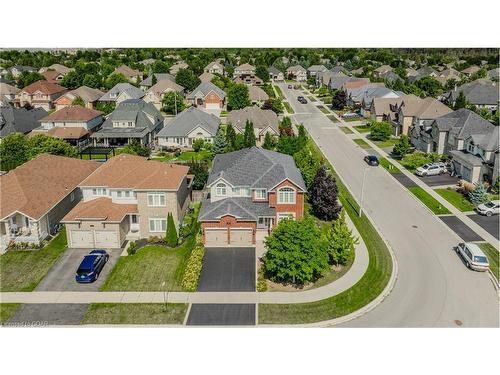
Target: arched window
(220,190)
(286,195)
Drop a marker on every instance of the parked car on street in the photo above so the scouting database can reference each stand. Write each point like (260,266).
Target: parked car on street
(489,208)
(473,256)
(301,99)
(91,266)
(431,169)
(351,115)
(371,160)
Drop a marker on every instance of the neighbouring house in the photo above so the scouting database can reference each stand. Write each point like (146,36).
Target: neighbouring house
(470,140)
(132,75)
(471,70)
(121,92)
(16,70)
(263,120)
(337,81)
(214,67)
(323,78)
(356,91)
(52,76)
(275,74)
(133,119)
(40,94)
(56,67)
(36,196)
(73,123)
(148,82)
(128,198)
(339,70)
(8,92)
(390,77)
(206,77)
(493,74)
(425,71)
(174,69)
(19,120)
(385,109)
(448,74)
(89,96)
(257,95)
(157,92)
(250,190)
(188,126)
(482,93)
(357,72)
(410,73)
(147,62)
(381,70)
(313,70)
(297,73)
(208,96)
(245,73)
(367,96)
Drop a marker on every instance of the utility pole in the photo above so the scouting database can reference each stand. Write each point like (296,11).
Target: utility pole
(362,192)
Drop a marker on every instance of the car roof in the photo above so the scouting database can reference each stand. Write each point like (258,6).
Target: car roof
(495,202)
(475,249)
(372,156)
(88,261)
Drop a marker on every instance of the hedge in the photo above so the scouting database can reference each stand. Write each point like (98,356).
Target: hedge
(193,269)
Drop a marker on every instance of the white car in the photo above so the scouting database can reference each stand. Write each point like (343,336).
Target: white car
(431,169)
(473,256)
(489,208)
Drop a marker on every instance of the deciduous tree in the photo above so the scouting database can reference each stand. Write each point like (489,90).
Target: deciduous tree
(238,97)
(324,196)
(173,103)
(339,100)
(340,241)
(402,147)
(380,131)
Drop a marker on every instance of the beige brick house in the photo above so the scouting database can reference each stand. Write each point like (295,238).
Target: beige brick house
(129,197)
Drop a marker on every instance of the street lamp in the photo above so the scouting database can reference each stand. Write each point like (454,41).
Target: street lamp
(362,191)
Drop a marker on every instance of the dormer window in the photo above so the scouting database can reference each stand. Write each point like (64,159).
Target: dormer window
(221,190)
(286,195)
(260,194)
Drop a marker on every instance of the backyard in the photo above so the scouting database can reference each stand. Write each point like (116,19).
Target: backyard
(184,156)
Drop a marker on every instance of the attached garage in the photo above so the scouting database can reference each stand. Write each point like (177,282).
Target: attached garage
(215,237)
(106,239)
(241,237)
(80,238)
(212,105)
(89,239)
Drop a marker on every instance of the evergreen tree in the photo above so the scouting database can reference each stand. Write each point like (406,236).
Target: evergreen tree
(269,143)
(402,147)
(171,235)
(460,101)
(340,241)
(230,138)
(219,146)
(249,134)
(302,137)
(339,100)
(478,195)
(324,196)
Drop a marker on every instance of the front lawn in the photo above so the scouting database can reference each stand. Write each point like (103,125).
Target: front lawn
(346,130)
(324,110)
(22,270)
(429,201)
(363,128)
(135,313)
(7,310)
(288,107)
(493,257)
(311,98)
(457,199)
(278,91)
(362,143)
(385,144)
(327,99)
(387,165)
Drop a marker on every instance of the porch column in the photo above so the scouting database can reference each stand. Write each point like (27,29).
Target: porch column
(7,228)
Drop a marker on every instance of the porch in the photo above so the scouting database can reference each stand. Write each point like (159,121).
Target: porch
(19,228)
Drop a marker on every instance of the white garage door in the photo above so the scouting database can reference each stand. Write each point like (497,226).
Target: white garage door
(81,239)
(106,239)
(212,105)
(215,237)
(241,237)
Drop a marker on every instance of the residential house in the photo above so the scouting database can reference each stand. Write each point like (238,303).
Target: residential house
(251,190)
(40,94)
(121,92)
(147,62)
(55,72)
(215,67)
(482,93)
(493,74)
(473,69)
(358,72)
(89,96)
(257,95)
(382,70)
(385,109)
(208,96)
(133,119)
(323,78)
(411,73)
(368,94)
(336,82)
(297,73)
(19,120)
(157,92)
(36,196)
(425,71)
(188,126)
(390,77)
(174,69)
(245,73)
(148,82)
(357,90)
(206,77)
(313,70)
(16,70)
(73,123)
(448,74)
(128,198)
(133,75)
(339,70)
(263,120)
(8,92)
(275,74)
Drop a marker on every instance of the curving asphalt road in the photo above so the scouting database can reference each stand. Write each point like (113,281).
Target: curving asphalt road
(434,288)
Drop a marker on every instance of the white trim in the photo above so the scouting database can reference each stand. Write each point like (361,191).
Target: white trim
(153,195)
(278,218)
(287,179)
(155,219)
(283,188)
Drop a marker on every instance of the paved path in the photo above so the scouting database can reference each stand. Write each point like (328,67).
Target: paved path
(433,287)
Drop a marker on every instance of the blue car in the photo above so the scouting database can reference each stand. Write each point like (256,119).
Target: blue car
(91,266)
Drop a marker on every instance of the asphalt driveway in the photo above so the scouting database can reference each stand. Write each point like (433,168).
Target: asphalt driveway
(490,224)
(439,180)
(61,277)
(228,270)
(41,315)
(221,314)
(462,230)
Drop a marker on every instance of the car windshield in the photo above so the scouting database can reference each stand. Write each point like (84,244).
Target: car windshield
(83,271)
(489,204)
(480,259)
(372,158)
(426,166)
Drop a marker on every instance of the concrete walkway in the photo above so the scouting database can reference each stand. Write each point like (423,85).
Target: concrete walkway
(460,215)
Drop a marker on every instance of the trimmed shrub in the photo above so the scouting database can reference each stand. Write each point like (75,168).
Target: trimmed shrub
(171,235)
(132,248)
(261,281)
(193,269)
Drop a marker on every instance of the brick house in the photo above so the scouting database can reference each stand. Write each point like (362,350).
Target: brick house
(89,96)
(40,94)
(207,96)
(128,198)
(250,190)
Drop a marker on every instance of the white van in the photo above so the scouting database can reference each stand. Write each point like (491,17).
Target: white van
(473,256)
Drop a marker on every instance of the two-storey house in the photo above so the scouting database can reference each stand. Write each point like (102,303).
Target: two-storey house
(128,197)
(250,190)
(297,72)
(215,67)
(40,94)
(89,95)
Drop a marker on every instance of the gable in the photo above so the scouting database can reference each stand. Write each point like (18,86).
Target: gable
(199,131)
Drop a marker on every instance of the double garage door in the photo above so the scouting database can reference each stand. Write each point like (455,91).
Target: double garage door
(87,239)
(241,237)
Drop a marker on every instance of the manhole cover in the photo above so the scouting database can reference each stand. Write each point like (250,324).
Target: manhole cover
(414,226)
(458,322)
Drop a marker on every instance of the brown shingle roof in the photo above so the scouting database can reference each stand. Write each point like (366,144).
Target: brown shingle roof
(44,86)
(72,113)
(127,71)
(39,184)
(100,208)
(136,172)
(51,75)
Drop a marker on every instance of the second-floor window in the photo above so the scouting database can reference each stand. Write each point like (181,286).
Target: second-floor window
(286,195)
(156,199)
(260,194)
(221,190)
(99,191)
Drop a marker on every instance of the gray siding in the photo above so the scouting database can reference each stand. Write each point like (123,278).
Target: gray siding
(63,207)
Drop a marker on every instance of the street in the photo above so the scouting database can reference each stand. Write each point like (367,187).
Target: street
(433,288)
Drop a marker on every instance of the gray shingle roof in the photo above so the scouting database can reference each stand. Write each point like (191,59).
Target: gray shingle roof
(188,120)
(275,71)
(19,120)
(159,77)
(204,88)
(133,91)
(463,123)
(241,208)
(317,68)
(256,168)
(478,92)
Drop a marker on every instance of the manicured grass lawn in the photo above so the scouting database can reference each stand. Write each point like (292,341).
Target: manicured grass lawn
(386,164)
(135,313)
(384,144)
(493,257)
(351,119)
(7,310)
(365,290)
(455,198)
(186,156)
(332,118)
(346,130)
(278,90)
(363,128)
(362,143)
(327,100)
(288,107)
(22,270)
(428,200)
(324,110)
(311,98)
